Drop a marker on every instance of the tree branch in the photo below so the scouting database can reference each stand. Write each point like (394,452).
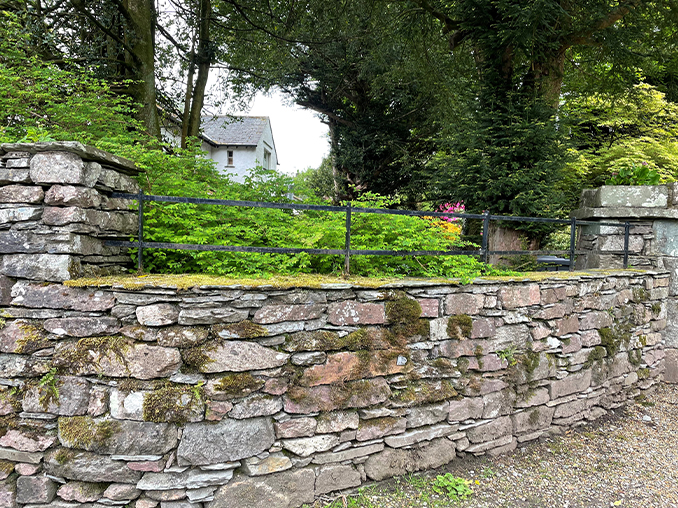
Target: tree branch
(585,38)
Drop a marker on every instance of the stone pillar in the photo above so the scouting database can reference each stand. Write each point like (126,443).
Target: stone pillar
(652,210)
(56,211)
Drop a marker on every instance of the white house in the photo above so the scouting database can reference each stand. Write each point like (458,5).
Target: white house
(235,143)
(239,143)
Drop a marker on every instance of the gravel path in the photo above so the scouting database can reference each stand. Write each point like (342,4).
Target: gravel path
(628,459)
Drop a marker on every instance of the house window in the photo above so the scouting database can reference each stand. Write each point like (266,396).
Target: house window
(267,159)
(229,153)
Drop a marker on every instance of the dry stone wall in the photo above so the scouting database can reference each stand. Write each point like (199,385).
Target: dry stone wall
(55,211)
(239,396)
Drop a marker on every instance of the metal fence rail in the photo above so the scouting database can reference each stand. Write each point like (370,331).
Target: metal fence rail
(483,252)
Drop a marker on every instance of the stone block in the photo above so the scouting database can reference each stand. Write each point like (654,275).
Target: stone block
(35,489)
(636,196)
(347,366)
(88,467)
(124,359)
(671,366)
(429,307)
(573,383)
(376,428)
(464,303)
(225,441)
(211,315)
(490,431)
(466,409)
(573,345)
(270,314)
(9,174)
(483,327)
(20,213)
(519,296)
(595,320)
(254,405)
(21,194)
(68,195)
(428,415)
(169,486)
(305,446)
(566,326)
(43,267)
(19,456)
(82,326)
(27,442)
(124,437)
(73,397)
(420,434)
(532,420)
(395,462)
(57,296)
(296,427)
(289,489)
(349,454)
(274,463)
(337,421)
(180,336)
(63,167)
(335,477)
(353,394)
(159,314)
(498,403)
(355,313)
(81,492)
(241,356)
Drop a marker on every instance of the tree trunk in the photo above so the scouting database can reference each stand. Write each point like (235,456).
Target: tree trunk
(204,61)
(141,40)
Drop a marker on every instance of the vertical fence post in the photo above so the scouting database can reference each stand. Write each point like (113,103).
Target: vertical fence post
(486,233)
(347,244)
(140,255)
(573,239)
(627,230)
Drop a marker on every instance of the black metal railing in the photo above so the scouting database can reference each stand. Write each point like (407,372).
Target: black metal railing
(347,252)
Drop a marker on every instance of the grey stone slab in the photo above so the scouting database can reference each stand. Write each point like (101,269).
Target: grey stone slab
(288,489)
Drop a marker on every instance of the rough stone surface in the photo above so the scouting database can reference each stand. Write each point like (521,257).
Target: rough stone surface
(398,462)
(225,441)
(278,313)
(88,467)
(57,296)
(354,313)
(353,394)
(272,464)
(35,489)
(490,431)
(306,446)
(296,427)
(60,167)
(82,326)
(289,489)
(49,267)
(160,314)
(336,477)
(240,356)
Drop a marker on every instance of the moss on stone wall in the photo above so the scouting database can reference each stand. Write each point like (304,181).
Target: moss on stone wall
(90,350)
(459,326)
(238,384)
(83,431)
(173,403)
(242,330)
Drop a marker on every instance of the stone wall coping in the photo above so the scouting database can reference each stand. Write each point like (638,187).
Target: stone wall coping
(87,152)
(131,282)
(624,213)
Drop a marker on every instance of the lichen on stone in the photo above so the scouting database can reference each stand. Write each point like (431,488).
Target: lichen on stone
(612,338)
(635,357)
(198,357)
(424,392)
(459,326)
(32,340)
(403,310)
(596,355)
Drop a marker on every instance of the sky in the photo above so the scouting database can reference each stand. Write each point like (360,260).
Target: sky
(301,140)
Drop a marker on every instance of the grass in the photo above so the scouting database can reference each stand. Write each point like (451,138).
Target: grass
(301,280)
(404,491)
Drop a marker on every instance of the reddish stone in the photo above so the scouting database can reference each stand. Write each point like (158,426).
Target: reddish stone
(296,427)
(567,325)
(26,469)
(556,311)
(347,366)
(151,466)
(354,394)
(519,296)
(279,313)
(554,295)
(355,313)
(487,363)
(429,307)
(540,331)
(595,320)
(26,442)
(483,327)
(275,386)
(217,409)
(464,303)
(573,346)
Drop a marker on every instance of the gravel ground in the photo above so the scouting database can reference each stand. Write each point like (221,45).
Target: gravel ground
(627,459)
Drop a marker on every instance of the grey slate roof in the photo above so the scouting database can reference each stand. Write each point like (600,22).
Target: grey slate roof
(234,130)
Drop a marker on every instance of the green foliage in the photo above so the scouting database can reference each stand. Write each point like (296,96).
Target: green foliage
(453,487)
(634,175)
(508,354)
